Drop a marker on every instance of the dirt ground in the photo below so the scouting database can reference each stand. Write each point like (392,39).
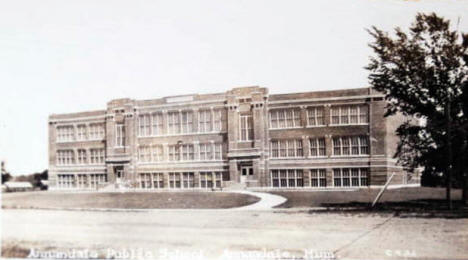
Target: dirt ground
(214,234)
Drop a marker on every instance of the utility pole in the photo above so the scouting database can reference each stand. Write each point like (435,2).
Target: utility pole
(449,151)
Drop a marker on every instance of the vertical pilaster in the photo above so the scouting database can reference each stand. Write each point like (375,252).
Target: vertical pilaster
(164,129)
(196,150)
(306,146)
(329,145)
(326,114)
(303,116)
(233,171)
(195,120)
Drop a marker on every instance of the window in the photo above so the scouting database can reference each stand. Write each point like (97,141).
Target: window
(157,123)
(82,156)
(351,145)
(66,181)
(145,181)
(173,126)
(350,114)
(315,116)
(285,118)
(181,180)
(317,147)
(363,114)
(218,179)
(353,115)
(96,179)
(218,120)
(335,114)
(318,178)
(174,180)
(174,153)
(144,154)
(65,157)
(96,131)
(97,156)
(144,122)
(350,177)
(81,132)
(151,180)
(120,135)
(246,128)
(188,152)
(65,133)
(204,121)
(157,153)
(188,180)
(211,179)
(218,152)
(82,181)
(158,180)
(187,122)
(289,178)
(286,148)
(206,152)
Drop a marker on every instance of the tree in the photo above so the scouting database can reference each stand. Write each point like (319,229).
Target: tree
(5,175)
(423,74)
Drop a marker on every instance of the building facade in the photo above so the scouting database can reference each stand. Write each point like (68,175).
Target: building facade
(243,137)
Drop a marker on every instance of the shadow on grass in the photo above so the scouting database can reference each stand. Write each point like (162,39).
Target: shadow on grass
(423,208)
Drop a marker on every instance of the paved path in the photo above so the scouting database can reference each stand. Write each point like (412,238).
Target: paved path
(267,201)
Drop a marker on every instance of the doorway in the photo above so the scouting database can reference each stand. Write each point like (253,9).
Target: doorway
(119,174)
(246,171)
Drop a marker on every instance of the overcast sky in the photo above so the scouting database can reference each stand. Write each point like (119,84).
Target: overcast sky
(69,56)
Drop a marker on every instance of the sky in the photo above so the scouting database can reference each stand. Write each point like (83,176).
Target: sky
(76,55)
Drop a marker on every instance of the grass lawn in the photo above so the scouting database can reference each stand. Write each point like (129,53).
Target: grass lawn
(128,200)
(407,197)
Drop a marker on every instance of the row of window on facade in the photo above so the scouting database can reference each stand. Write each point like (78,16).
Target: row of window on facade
(339,115)
(182,152)
(95,131)
(181,122)
(341,146)
(180,180)
(81,181)
(342,177)
(175,180)
(83,156)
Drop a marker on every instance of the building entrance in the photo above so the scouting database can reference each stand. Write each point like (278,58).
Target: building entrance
(246,171)
(119,174)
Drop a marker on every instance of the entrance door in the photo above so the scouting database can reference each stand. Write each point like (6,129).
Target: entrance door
(246,171)
(119,174)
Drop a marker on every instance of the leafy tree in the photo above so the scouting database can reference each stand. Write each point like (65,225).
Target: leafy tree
(424,76)
(5,175)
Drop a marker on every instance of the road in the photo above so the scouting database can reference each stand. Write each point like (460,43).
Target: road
(173,234)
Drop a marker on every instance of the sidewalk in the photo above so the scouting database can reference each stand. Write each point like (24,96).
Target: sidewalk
(267,200)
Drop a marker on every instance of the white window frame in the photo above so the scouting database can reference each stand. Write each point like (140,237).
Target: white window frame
(246,120)
(320,175)
(315,112)
(314,145)
(289,174)
(362,145)
(81,130)
(205,121)
(284,115)
(82,156)
(344,111)
(120,135)
(296,146)
(362,174)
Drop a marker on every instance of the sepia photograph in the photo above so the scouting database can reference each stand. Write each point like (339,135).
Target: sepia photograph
(235,129)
